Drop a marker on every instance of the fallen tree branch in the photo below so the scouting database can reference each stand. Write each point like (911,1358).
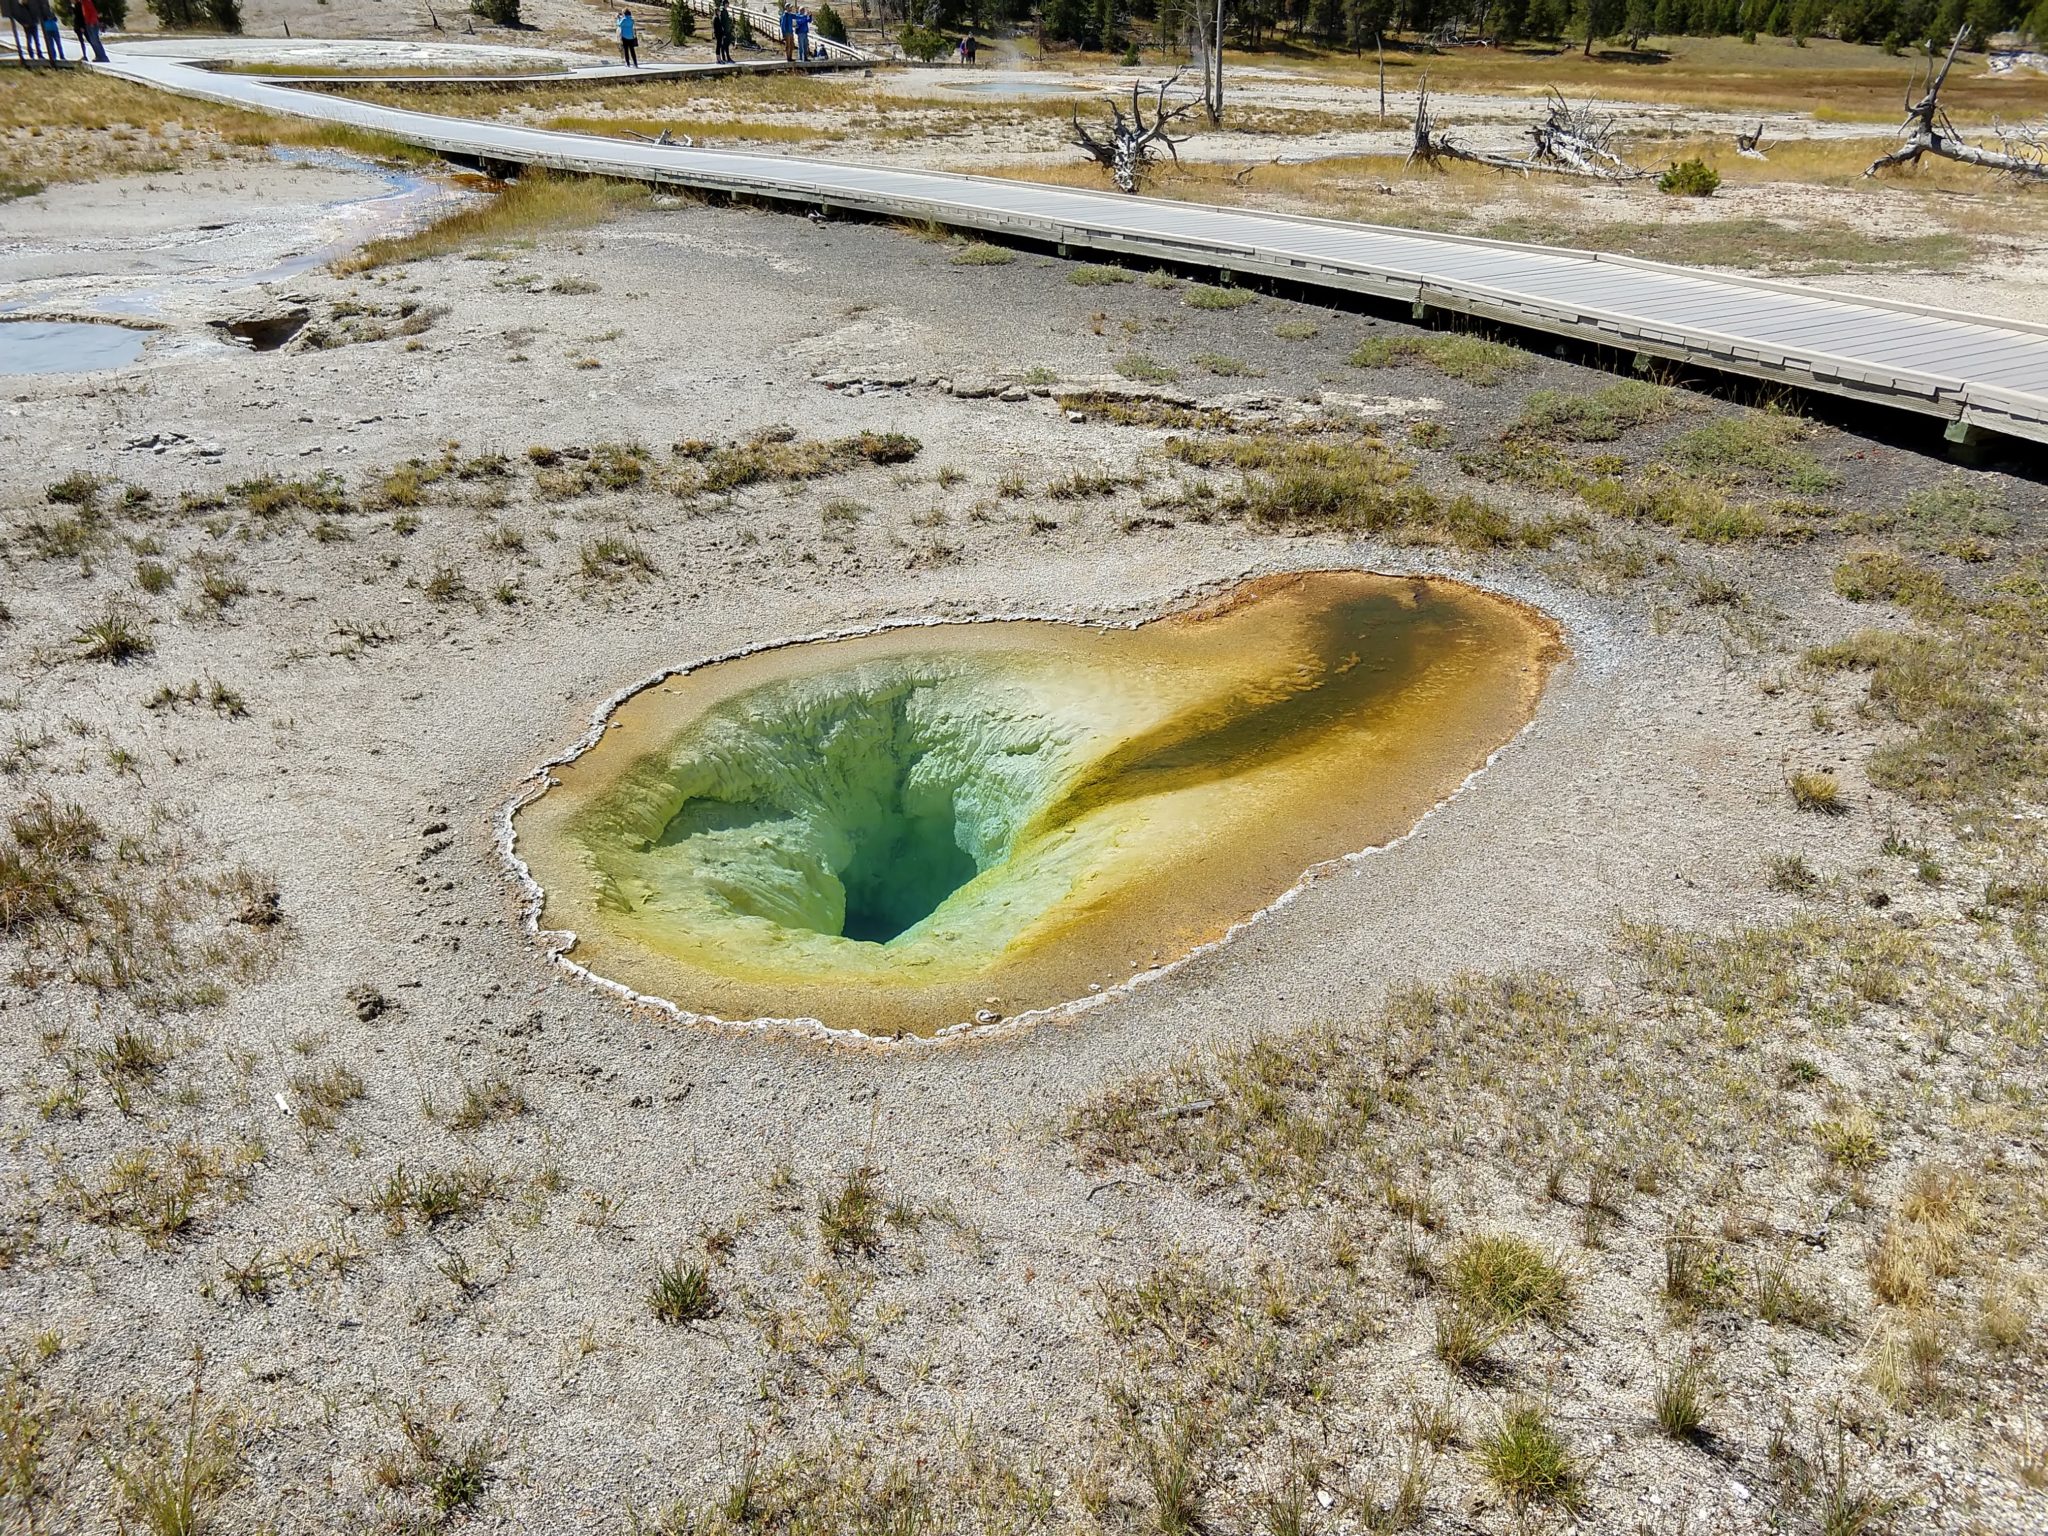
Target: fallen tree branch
(1570,141)
(1928,130)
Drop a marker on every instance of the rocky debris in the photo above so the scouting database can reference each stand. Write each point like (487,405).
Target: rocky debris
(368,1002)
(263,907)
(868,381)
(172,442)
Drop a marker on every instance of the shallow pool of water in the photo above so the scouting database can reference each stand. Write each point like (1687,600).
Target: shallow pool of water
(908,830)
(66,346)
(1015,87)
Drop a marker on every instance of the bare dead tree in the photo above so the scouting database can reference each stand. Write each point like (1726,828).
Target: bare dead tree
(1751,145)
(1430,146)
(1207,44)
(1127,151)
(1927,130)
(1570,141)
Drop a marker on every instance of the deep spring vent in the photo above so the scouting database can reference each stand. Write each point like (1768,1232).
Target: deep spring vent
(852,810)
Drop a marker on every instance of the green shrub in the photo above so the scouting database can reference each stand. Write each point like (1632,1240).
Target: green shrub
(682,22)
(1689,178)
(829,25)
(923,43)
(503,13)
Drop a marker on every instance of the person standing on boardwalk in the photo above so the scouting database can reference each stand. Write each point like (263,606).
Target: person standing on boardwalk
(803,36)
(19,22)
(721,31)
(52,30)
(788,21)
(87,15)
(629,39)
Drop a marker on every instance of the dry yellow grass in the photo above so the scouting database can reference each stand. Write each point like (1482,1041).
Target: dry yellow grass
(1924,1243)
(700,129)
(76,126)
(535,204)
(1843,82)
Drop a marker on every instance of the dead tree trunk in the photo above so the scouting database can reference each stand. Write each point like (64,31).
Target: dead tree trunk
(1581,141)
(1127,151)
(1208,50)
(1927,130)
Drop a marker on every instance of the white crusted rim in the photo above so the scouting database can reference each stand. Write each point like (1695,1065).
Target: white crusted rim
(558,942)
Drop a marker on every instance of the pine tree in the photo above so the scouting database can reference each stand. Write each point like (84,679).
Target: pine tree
(1600,18)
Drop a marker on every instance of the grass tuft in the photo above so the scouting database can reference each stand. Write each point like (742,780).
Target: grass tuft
(1817,792)
(850,1220)
(1473,359)
(1682,1395)
(117,635)
(1528,1461)
(682,1293)
(1506,1280)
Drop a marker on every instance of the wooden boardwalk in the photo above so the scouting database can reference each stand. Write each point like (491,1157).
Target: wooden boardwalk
(1976,372)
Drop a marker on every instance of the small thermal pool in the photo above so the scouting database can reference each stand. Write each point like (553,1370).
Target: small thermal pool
(1003,87)
(911,829)
(66,346)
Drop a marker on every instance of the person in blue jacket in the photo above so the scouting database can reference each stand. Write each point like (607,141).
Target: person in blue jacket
(803,36)
(629,39)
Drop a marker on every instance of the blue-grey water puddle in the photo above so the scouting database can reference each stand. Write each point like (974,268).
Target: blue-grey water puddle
(1016,87)
(408,199)
(66,346)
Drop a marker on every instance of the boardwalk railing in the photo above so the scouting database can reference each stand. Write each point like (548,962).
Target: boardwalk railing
(763,18)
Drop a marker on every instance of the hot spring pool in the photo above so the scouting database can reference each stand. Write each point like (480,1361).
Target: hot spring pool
(914,829)
(66,346)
